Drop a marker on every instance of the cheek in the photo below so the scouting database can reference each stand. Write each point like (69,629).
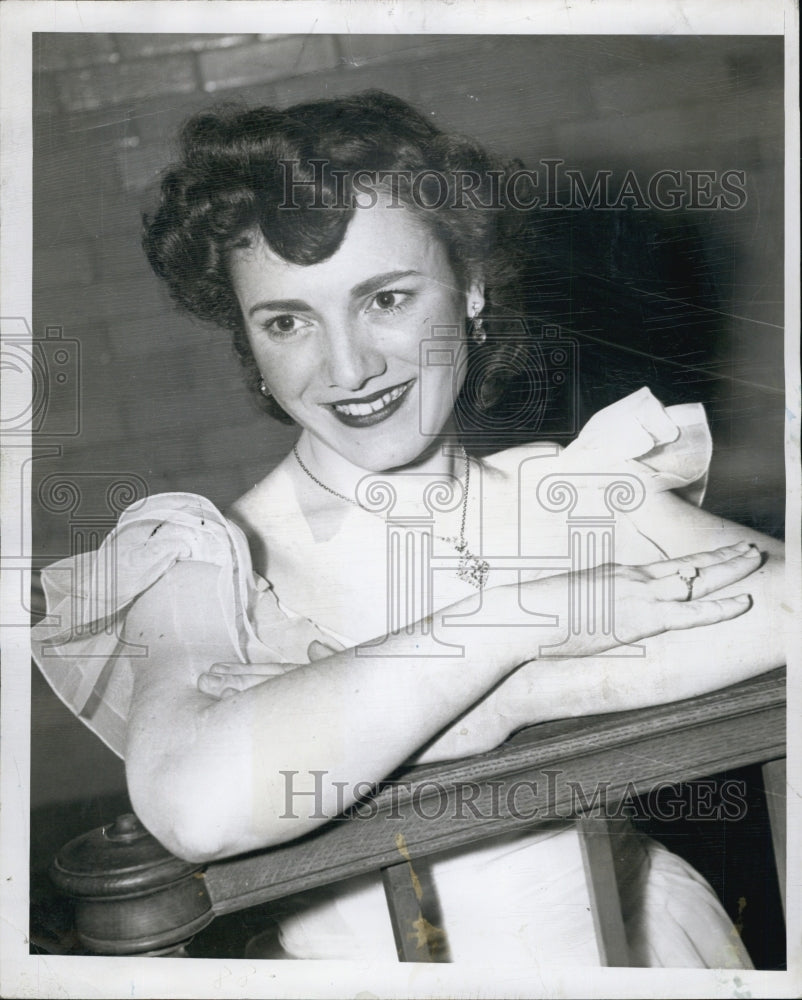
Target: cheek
(283,374)
(452,337)
(440,323)
(444,374)
(461,371)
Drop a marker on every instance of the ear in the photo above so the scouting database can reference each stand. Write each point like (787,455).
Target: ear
(475,298)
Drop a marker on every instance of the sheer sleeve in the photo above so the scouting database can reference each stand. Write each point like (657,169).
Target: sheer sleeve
(635,448)
(670,448)
(79,645)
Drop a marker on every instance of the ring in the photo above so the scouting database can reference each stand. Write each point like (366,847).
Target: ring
(687,576)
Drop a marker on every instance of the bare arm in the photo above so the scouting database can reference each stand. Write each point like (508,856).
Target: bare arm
(205,775)
(675,665)
(211,777)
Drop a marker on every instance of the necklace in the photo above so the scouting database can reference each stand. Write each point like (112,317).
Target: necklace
(472,569)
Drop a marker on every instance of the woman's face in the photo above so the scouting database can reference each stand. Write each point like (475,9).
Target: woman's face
(341,343)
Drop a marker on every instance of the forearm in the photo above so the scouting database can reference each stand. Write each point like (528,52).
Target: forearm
(210,777)
(663,668)
(672,666)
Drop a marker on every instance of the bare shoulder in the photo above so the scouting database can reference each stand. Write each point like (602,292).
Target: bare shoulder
(246,508)
(681,527)
(504,466)
(261,514)
(512,517)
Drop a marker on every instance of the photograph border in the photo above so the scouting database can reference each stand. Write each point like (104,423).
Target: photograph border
(24,974)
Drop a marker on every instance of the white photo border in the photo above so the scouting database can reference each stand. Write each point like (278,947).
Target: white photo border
(29,975)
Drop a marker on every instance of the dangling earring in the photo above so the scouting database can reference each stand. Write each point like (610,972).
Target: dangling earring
(479,332)
(263,389)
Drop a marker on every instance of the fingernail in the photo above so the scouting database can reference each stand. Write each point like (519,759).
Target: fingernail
(217,668)
(743,546)
(743,599)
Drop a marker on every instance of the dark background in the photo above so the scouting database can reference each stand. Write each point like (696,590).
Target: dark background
(687,302)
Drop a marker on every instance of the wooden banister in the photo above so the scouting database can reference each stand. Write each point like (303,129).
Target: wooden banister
(551,772)
(624,752)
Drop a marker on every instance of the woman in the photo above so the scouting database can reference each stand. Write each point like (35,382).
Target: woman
(339,241)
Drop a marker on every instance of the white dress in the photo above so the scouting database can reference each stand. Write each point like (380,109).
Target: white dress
(519,899)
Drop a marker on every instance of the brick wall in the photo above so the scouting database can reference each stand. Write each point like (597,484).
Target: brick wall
(161,396)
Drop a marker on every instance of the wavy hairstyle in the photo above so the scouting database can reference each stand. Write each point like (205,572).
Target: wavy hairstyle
(232,178)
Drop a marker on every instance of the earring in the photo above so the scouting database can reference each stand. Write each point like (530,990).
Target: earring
(479,332)
(263,389)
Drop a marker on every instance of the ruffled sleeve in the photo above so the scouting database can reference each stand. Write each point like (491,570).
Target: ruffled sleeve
(79,645)
(670,447)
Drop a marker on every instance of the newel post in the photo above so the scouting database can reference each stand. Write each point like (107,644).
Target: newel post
(132,897)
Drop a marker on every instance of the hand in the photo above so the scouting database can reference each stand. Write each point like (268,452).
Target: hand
(653,598)
(225,679)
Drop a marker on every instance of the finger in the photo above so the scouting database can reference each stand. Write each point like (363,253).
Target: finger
(683,615)
(319,650)
(235,669)
(213,686)
(228,667)
(713,578)
(221,687)
(707,580)
(665,567)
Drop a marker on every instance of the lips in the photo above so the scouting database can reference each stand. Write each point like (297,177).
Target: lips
(373,409)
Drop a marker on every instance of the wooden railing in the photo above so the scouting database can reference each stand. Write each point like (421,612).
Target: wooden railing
(133,897)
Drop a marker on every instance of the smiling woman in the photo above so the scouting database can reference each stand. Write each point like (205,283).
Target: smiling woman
(302,634)
(296,182)
(339,343)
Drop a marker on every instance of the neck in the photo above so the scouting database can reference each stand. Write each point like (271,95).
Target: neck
(442,458)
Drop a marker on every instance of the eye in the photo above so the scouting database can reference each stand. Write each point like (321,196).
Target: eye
(284,327)
(389,300)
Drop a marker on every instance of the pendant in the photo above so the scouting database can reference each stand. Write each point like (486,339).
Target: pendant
(472,569)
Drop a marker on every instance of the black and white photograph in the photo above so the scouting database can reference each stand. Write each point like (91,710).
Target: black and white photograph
(401,503)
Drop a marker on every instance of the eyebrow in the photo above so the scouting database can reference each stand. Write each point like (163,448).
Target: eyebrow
(377,281)
(357,292)
(281,305)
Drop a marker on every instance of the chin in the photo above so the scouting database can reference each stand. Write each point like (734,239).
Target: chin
(394,445)
(377,457)
(414,453)
(387,460)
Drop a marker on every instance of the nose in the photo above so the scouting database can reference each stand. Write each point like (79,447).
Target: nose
(352,357)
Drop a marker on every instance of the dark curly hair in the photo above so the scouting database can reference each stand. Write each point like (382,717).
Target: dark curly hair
(232,175)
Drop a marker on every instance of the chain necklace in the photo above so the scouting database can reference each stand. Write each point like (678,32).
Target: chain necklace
(471,568)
